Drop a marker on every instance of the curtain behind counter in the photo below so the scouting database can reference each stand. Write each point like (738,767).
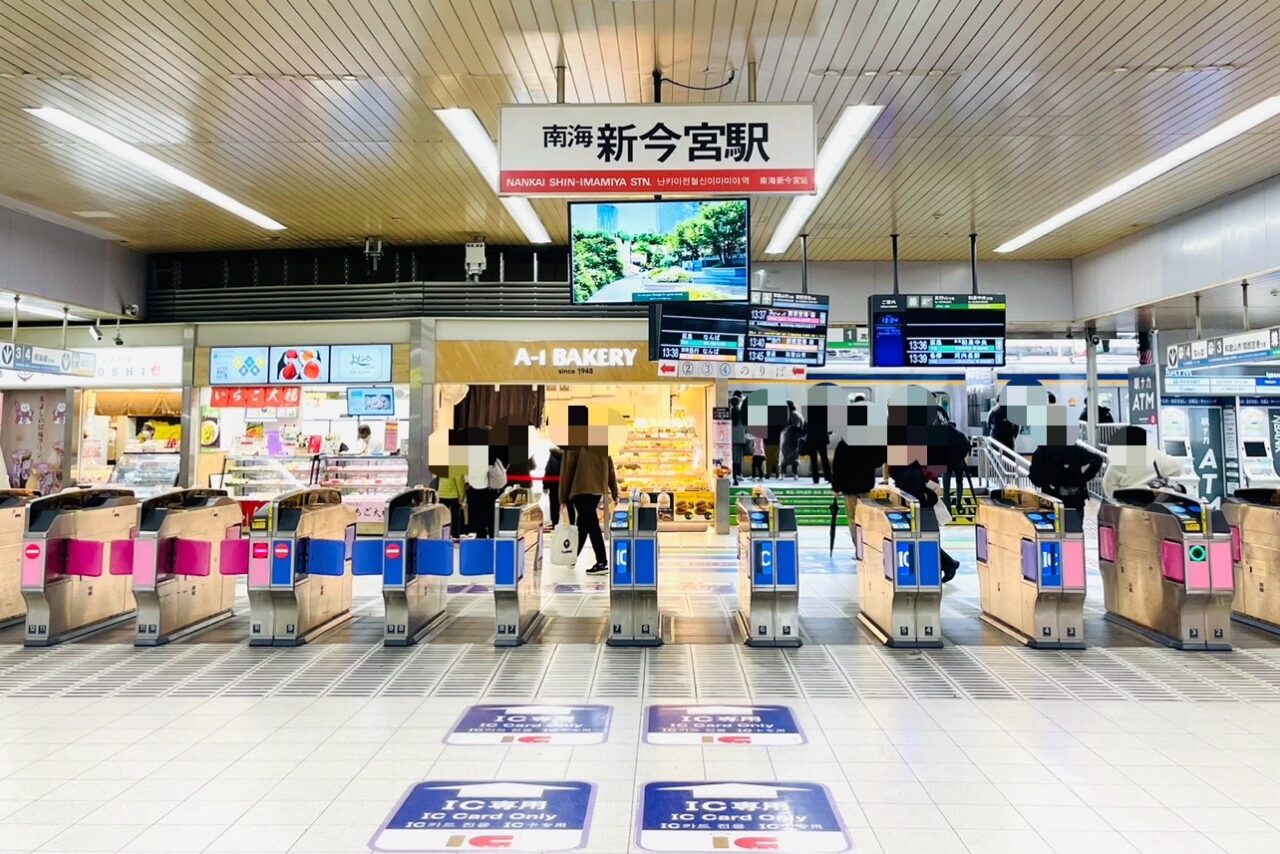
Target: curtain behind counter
(487,405)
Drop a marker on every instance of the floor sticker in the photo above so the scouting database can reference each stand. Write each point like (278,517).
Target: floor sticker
(709,725)
(529,724)
(725,816)
(503,815)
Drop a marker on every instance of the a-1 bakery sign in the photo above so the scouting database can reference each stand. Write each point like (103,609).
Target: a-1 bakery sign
(621,149)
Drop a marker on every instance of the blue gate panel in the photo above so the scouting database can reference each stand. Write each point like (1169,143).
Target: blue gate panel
(507,560)
(645,562)
(1050,565)
(475,557)
(787,570)
(282,555)
(904,561)
(326,557)
(622,558)
(366,557)
(762,564)
(929,563)
(433,557)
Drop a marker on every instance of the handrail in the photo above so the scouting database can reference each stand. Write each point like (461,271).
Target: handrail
(1001,466)
(1095,485)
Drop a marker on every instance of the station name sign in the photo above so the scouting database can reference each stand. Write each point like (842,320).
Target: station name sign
(1258,345)
(32,359)
(622,149)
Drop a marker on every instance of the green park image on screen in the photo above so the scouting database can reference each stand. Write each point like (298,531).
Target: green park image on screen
(659,251)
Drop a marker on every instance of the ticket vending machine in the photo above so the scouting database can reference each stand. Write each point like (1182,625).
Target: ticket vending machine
(1031,572)
(13,513)
(300,546)
(75,580)
(634,619)
(176,563)
(768,571)
(517,566)
(1165,560)
(900,605)
(1253,516)
(415,561)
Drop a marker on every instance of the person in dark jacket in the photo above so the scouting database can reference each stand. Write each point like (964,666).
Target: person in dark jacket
(1064,471)
(586,475)
(792,441)
(551,480)
(913,479)
(817,438)
(958,448)
(1003,430)
(738,432)
(1103,413)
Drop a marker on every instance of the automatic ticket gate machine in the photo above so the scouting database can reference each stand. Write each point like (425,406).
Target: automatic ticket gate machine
(634,619)
(177,563)
(517,566)
(1031,569)
(1165,560)
(300,545)
(13,514)
(76,569)
(768,571)
(901,605)
(1253,516)
(415,561)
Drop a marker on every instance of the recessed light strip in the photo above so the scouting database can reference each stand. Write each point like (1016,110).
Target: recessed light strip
(469,133)
(146,162)
(1228,130)
(845,135)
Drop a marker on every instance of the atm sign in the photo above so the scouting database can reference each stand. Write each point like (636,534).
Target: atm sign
(260,550)
(282,551)
(32,551)
(393,551)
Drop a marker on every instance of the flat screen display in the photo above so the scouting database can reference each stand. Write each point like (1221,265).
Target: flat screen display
(1255,449)
(238,365)
(787,329)
(377,402)
(937,330)
(659,251)
(360,363)
(303,364)
(702,332)
(1175,447)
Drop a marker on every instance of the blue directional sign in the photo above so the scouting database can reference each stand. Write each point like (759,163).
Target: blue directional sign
(739,816)
(505,815)
(532,724)
(754,724)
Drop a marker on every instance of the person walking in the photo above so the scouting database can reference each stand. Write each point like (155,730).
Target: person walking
(586,475)
(451,489)
(792,437)
(738,434)
(551,480)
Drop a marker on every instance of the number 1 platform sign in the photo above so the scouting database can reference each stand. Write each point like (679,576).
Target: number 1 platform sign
(490,724)
(725,816)
(483,816)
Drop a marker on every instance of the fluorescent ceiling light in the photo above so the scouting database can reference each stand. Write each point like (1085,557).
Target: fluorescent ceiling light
(1228,130)
(852,125)
(146,162)
(469,133)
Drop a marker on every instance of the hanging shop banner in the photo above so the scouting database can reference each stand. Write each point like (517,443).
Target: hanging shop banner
(479,816)
(1262,345)
(724,816)
(771,726)
(33,359)
(620,149)
(1143,404)
(1207,453)
(543,361)
(527,724)
(255,397)
(113,367)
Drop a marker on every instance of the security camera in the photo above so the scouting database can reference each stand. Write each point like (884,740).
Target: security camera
(119,339)
(1095,340)
(372,251)
(130,310)
(95,331)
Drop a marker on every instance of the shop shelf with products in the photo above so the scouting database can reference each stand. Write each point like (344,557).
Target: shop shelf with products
(147,474)
(366,482)
(664,460)
(263,477)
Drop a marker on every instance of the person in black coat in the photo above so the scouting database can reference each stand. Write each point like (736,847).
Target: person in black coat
(1064,471)
(913,479)
(853,473)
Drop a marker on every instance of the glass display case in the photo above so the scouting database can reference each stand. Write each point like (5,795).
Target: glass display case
(366,482)
(147,474)
(266,477)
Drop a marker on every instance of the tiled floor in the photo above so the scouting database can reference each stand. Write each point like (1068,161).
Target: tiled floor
(983,746)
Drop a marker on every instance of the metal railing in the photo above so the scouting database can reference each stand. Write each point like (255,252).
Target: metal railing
(1000,466)
(1095,485)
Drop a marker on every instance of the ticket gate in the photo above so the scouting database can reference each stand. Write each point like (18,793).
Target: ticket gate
(300,545)
(1165,560)
(899,606)
(517,566)
(415,560)
(13,513)
(176,563)
(1253,516)
(768,571)
(75,563)
(1031,574)
(634,619)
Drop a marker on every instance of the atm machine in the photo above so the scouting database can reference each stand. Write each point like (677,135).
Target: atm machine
(1253,516)
(176,563)
(75,563)
(415,560)
(13,513)
(517,566)
(300,546)
(634,619)
(1031,570)
(901,605)
(1165,560)
(768,571)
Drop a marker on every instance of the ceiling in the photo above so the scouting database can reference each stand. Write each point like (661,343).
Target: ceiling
(1221,311)
(1000,113)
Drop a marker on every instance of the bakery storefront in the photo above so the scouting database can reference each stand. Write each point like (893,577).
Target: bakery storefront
(662,441)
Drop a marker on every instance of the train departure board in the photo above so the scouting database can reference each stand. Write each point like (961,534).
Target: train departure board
(937,330)
(700,332)
(787,329)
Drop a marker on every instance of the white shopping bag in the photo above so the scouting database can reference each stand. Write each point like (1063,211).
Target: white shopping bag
(564,545)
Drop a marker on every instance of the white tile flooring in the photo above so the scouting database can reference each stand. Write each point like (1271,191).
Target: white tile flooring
(984,749)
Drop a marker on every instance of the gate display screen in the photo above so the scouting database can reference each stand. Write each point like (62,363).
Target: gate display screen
(702,332)
(787,329)
(937,330)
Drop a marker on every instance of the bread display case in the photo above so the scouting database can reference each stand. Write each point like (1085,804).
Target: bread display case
(264,477)
(366,482)
(146,473)
(665,461)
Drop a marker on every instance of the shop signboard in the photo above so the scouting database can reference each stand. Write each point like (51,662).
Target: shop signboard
(542,361)
(532,724)
(644,149)
(305,363)
(1143,401)
(739,816)
(1205,425)
(360,363)
(1260,345)
(34,359)
(113,367)
(255,397)
(768,725)
(488,815)
(238,365)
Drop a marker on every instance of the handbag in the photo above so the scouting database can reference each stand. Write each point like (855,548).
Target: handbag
(564,545)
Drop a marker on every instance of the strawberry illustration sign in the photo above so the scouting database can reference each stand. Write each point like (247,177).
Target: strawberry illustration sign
(622,149)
